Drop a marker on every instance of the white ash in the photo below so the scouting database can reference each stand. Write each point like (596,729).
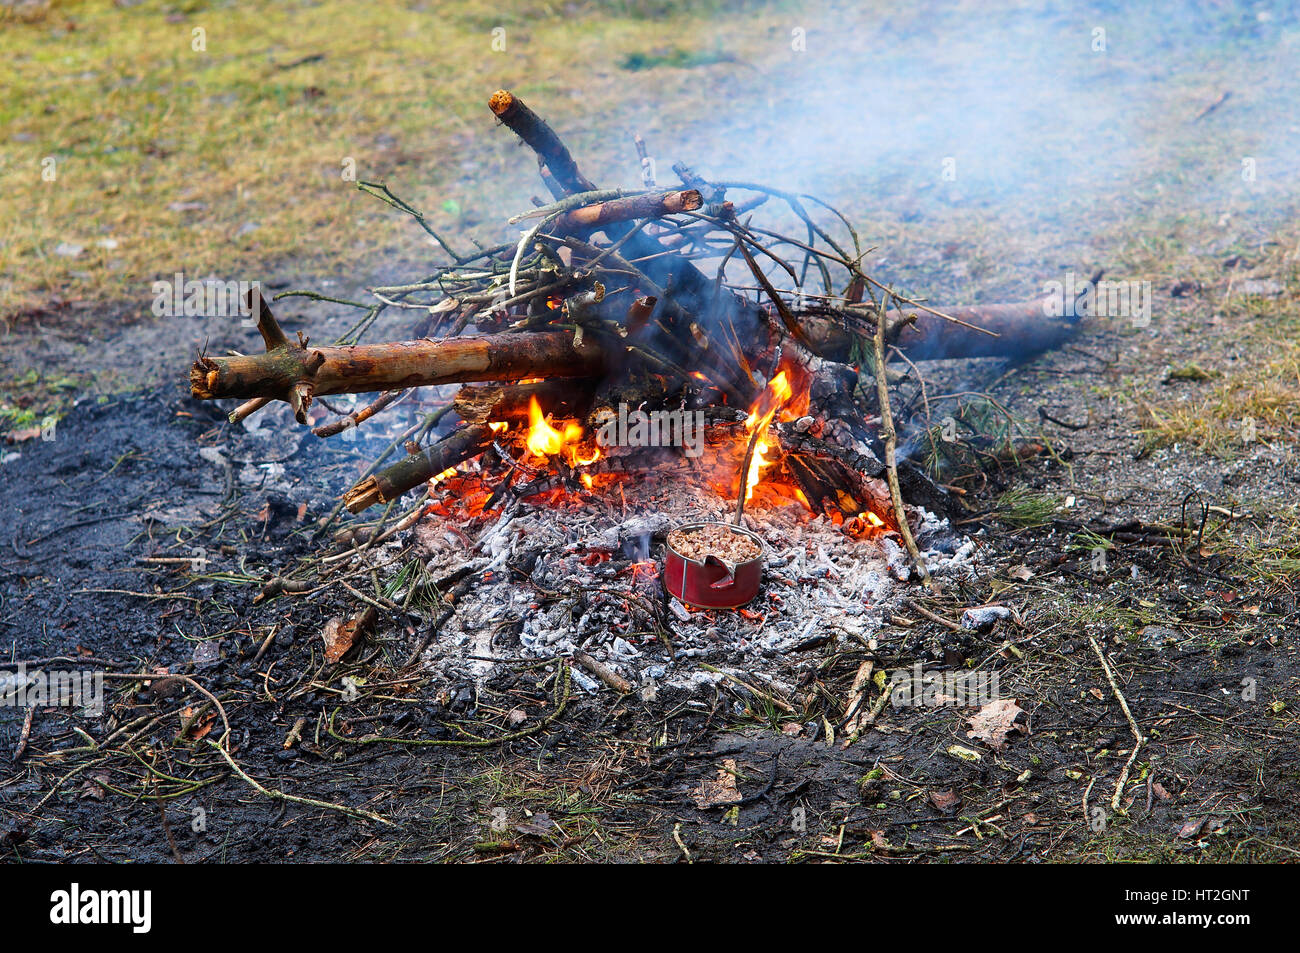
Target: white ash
(983,618)
(585,586)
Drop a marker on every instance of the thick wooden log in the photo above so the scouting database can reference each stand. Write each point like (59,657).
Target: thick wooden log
(1018,330)
(375,367)
(293,372)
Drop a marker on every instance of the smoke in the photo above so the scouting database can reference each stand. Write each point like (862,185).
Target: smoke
(1065,119)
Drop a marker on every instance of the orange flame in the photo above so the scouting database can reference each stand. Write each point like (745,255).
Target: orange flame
(775,395)
(543,439)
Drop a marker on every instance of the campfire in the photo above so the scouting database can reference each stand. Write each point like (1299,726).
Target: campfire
(659,344)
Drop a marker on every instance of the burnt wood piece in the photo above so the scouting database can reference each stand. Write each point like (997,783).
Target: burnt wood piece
(390,483)
(1019,330)
(510,402)
(551,151)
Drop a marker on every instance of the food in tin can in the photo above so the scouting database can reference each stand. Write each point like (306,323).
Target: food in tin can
(714,539)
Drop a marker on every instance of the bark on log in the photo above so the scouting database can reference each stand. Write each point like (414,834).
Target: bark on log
(294,372)
(551,151)
(390,483)
(375,367)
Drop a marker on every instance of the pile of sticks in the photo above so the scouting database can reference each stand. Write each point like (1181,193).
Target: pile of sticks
(665,296)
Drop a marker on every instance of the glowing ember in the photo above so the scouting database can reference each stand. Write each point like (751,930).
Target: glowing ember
(543,439)
(498,426)
(581,460)
(439,477)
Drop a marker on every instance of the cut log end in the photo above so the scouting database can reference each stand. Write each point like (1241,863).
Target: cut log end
(203,379)
(364,495)
(501,101)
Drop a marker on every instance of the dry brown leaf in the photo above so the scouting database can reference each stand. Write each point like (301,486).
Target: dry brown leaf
(93,786)
(722,791)
(339,636)
(992,723)
(945,800)
(1021,572)
(197,729)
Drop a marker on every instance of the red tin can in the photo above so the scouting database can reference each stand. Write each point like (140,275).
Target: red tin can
(709,583)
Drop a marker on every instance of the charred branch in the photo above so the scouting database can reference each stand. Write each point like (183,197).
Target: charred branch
(392,482)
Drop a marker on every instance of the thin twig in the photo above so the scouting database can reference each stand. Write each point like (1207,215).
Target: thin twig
(891,448)
(310,802)
(1139,740)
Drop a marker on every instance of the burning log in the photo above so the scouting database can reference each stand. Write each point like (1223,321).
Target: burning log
(510,403)
(295,371)
(390,483)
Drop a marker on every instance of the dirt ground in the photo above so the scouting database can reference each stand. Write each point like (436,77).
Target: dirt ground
(1149,513)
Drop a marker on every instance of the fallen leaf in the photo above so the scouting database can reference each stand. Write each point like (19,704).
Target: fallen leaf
(18,436)
(206,652)
(1160,792)
(992,723)
(93,787)
(1021,572)
(722,791)
(945,800)
(339,636)
(1191,828)
(197,729)
(540,825)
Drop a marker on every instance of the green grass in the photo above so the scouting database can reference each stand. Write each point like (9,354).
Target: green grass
(1025,509)
(1255,397)
(230,160)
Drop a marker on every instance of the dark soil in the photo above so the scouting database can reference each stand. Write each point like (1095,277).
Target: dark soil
(598,777)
